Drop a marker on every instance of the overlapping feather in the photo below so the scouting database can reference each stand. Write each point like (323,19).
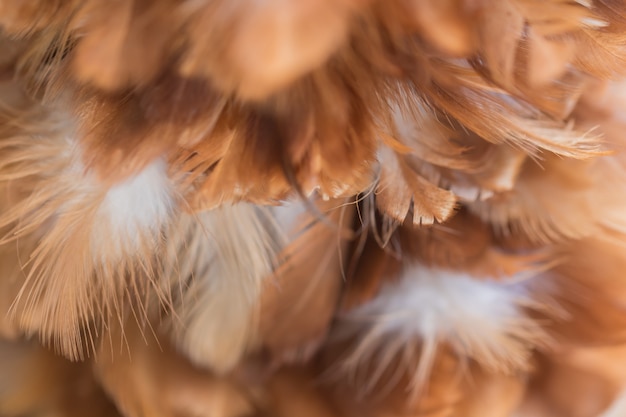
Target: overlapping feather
(453,144)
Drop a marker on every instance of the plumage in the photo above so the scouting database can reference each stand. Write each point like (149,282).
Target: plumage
(312,208)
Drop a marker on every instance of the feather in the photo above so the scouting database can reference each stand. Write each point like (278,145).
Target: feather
(224,256)
(299,299)
(34,381)
(145,376)
(260,49)
(576,382)
(401,188)
(408,316)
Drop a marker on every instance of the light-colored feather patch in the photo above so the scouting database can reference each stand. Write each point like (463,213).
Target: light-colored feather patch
(481,319)
(141,203)
(225,257)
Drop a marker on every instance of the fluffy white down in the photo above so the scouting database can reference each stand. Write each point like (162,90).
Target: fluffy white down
(434,302)
(140,202)
(130,214)
(479,318)
(135,208)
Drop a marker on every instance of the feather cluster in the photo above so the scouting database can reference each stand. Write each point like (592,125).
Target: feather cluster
(316,208)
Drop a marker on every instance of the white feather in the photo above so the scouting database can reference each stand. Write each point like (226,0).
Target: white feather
(141,202)
(479,318)
(133,210)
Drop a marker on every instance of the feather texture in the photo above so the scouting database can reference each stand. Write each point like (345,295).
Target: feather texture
(311,207)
